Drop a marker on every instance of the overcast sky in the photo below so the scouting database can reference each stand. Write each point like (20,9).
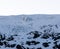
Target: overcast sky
(16,7)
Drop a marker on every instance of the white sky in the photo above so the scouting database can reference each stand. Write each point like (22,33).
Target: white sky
(16,7)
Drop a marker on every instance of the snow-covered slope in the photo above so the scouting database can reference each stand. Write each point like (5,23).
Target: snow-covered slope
(30,32)
(28,21)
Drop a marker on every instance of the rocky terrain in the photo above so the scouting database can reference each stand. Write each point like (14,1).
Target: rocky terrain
(27,32)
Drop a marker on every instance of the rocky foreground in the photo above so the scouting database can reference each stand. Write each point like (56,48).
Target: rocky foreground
(48,37)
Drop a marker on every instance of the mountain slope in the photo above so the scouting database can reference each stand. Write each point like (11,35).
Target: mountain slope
(30,32)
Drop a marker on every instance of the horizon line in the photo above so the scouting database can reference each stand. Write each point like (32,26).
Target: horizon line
(28,14)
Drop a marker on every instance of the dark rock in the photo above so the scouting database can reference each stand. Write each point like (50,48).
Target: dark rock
(12,45)
(19,47)
(1,43)
(57,46)
(27,48)
(56,38)
(10,38)
(45,45)
(5,43)
(39,48)
(35,33)
(2,37)
(45,36)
